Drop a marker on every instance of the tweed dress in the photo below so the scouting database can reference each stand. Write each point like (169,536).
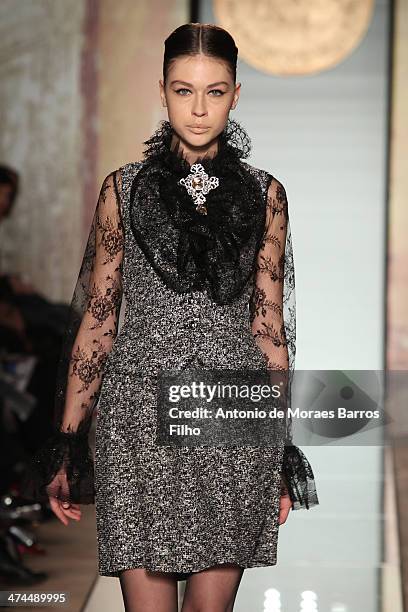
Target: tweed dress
(177,509)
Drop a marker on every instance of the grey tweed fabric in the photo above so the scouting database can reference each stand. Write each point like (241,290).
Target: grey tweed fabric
(176,509)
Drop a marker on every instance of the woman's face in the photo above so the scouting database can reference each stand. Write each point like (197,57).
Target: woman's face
(199,92)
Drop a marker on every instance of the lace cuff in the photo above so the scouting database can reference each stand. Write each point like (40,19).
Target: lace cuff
(298,479)
(62,468)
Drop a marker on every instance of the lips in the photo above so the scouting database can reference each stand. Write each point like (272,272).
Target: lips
(198,131)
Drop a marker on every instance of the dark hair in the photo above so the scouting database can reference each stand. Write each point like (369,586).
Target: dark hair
(195,38)
(8,176)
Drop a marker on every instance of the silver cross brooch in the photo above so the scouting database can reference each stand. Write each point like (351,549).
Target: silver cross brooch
(198,184)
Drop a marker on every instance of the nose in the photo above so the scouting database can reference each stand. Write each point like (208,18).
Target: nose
(199,108)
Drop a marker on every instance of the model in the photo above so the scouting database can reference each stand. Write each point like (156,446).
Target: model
(196,242)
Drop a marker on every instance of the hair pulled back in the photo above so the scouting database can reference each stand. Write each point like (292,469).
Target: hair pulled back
(195,38)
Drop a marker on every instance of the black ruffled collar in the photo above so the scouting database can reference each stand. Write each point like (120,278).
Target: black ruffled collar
(233,144)
(189,250)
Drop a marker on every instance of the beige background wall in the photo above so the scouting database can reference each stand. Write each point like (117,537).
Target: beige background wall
(397,348)
(79,95)
(131,47)
(397,290)
(40,136)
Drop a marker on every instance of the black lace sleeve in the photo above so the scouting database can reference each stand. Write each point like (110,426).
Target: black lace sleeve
(63,467)
(273,321)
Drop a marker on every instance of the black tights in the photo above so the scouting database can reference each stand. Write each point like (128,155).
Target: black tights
(211,590)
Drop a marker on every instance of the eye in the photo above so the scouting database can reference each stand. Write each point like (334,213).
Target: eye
(219,91)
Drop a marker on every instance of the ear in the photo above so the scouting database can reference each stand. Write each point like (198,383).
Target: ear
(236,95)
(162,94)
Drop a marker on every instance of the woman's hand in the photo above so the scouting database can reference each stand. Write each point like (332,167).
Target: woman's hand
(284,508)
(62,509)
(65,510)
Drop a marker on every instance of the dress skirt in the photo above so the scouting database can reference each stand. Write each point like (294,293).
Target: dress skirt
(177,509)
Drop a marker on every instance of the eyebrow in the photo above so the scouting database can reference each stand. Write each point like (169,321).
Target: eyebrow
(190,85)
